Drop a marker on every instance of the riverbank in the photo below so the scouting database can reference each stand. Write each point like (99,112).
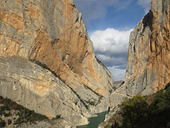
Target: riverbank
(95,121)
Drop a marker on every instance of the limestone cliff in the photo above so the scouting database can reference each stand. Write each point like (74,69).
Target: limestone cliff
(47,62)
(148,68)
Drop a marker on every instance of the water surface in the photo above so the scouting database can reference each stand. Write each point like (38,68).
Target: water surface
(95,121)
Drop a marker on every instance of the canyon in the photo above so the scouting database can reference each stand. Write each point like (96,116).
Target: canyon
(47,61)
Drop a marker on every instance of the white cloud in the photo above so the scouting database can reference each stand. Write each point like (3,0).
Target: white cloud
(146,4)
(111,47)
(117,73)
(110,40)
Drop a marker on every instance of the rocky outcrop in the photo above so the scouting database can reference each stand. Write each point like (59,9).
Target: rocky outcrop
(110,118)
(47,62)
(148,68)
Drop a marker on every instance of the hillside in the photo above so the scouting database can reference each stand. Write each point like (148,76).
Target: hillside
(14,115)
(151,111)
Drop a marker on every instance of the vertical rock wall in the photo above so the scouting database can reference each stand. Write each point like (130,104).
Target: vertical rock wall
(148,68)
(50,37)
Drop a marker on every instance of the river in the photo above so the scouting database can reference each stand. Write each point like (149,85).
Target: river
(95,121)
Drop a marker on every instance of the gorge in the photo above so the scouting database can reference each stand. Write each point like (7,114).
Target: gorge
(47,61)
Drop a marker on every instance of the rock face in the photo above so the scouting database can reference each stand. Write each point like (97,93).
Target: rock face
(47,62)
(148,68)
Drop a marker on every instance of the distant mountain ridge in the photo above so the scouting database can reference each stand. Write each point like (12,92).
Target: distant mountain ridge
(117,83)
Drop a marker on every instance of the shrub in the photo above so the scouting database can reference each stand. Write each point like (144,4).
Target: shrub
(138,112)
(2,123)
(9,122)
(58,116)
(25,115)
(15,107)
(160,108)
(133,111)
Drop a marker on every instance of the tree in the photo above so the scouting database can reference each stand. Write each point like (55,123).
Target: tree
(160,107)
(134,111)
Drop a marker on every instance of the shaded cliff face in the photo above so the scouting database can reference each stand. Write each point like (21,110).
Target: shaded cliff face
(47,61)
(148,68)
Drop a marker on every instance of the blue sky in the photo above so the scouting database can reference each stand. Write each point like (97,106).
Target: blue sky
(109,23)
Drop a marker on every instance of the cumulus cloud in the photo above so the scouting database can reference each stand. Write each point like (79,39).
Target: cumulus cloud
(111,47)
(146,4)
(117,73)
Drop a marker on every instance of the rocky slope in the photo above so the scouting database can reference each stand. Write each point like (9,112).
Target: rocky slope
(148,68)
(13,115)
(47,62)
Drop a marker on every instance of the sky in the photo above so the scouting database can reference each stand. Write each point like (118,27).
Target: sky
(109,23)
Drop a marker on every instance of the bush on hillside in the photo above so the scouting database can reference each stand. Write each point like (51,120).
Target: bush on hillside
(25,115)
(134,111)
(138,112)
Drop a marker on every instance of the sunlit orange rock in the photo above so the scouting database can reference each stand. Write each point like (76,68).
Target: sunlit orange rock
(47,61)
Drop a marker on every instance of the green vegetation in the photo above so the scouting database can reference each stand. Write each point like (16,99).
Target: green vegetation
(134,111)
(2,123)
(144,111)
(114,89)
(58,116)
(25,115)
(91,103)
